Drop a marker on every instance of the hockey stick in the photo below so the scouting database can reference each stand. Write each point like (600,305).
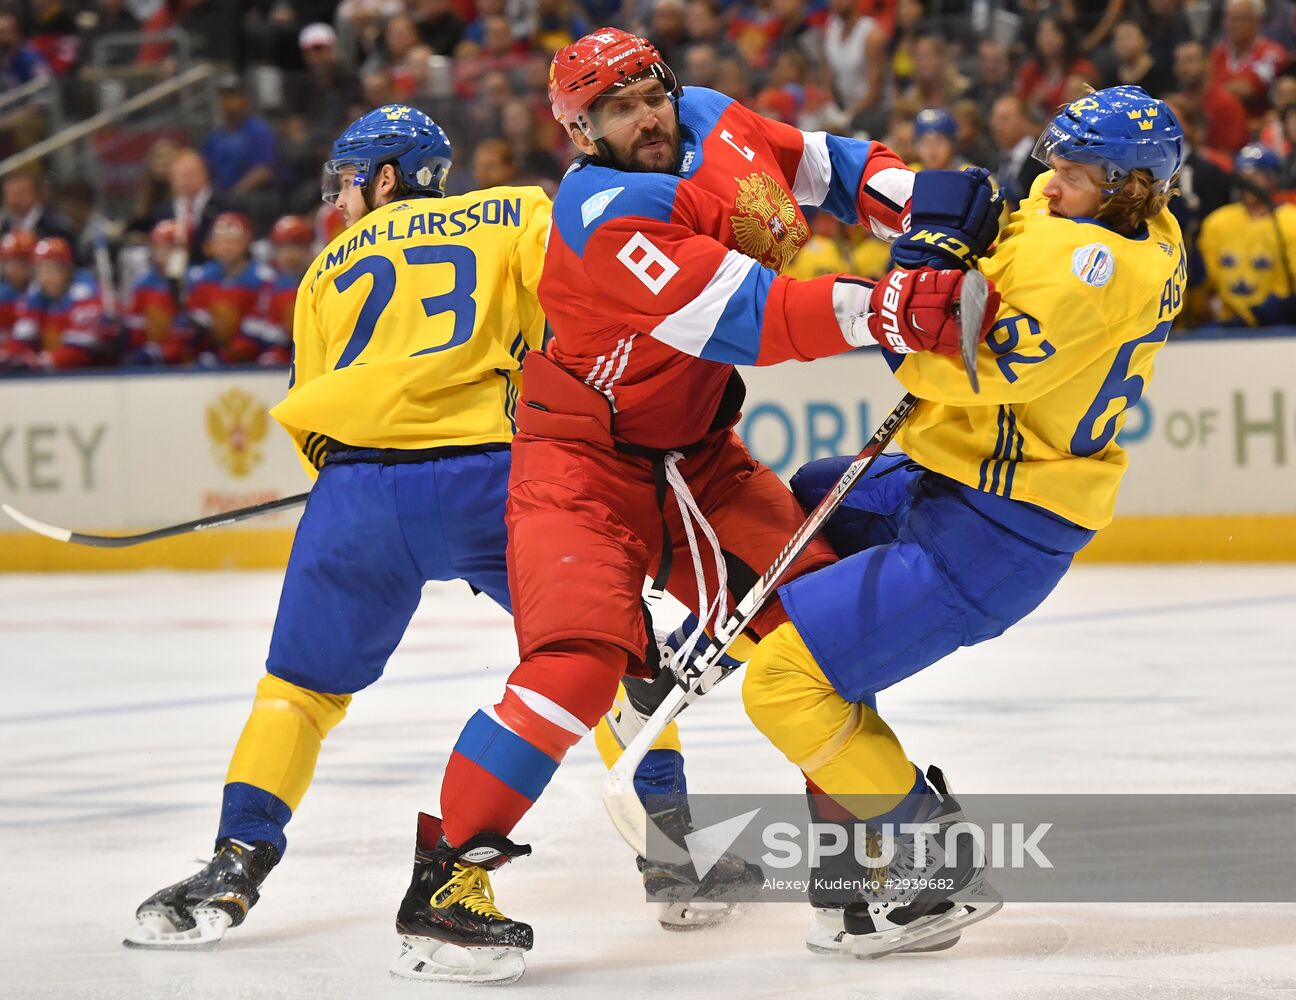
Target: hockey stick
(700,676)
(122,541)
(970,311)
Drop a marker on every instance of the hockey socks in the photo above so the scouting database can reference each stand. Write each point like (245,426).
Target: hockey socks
(507,753)
(843,747)
(274,759)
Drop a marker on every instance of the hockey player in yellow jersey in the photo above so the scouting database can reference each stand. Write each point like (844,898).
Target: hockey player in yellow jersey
(967,531)
(1249,247)
(408,335)
(409,331)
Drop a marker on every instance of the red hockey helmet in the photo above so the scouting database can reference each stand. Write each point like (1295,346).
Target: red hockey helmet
(232,224)
(166,233)
(53,248)
(291,229)
(604,60)
(17,246)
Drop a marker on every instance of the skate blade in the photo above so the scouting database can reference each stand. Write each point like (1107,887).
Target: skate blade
(695,914)
(428,960)
(926,934)
(155,930)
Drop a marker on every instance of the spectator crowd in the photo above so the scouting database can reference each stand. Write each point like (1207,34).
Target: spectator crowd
(203,267)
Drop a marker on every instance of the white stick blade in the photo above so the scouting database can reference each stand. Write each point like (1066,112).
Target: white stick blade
(627,815)
(40,527)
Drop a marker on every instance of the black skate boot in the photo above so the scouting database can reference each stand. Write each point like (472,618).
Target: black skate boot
(450,928)
(688,903)
(197,912)
(886,912)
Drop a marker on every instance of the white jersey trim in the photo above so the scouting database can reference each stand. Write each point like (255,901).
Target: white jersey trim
(606,371)
(690,328)
(814,172)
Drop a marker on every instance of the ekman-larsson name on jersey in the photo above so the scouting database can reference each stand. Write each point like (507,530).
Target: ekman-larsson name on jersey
(489,212)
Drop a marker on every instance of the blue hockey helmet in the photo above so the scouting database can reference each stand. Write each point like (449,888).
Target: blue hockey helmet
(1120,129)
(935,120)
(404,137)
(1255,156)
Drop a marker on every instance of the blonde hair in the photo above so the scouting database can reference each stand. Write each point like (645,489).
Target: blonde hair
(1139,199)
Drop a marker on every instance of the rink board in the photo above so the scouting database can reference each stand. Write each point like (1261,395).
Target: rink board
(1212,449)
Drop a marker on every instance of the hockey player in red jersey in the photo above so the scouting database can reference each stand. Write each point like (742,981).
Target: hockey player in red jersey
(159,330)
(293,251)
(662,273)
(61,322)
(15,278)
(229,296)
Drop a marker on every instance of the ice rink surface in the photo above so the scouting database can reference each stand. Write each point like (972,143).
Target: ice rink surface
(123,696)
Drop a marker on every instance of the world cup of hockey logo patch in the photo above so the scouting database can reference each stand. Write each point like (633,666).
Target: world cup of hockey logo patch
(767,227)
(236,424)
(1094,264)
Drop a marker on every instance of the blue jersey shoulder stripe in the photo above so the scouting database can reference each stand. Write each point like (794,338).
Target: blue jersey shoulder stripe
(700,108)
(847,157)
(591,195)
(737,335)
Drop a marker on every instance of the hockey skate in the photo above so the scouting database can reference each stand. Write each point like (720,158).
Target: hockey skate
(892,916)
(688,903)
(450,928)
(196,912)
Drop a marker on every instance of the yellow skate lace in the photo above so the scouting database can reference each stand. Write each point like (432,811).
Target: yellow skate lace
(469,886)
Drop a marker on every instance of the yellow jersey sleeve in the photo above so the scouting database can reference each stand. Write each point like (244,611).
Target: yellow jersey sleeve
(411,326)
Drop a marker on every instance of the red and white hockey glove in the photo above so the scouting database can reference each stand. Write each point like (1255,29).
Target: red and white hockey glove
(908,311)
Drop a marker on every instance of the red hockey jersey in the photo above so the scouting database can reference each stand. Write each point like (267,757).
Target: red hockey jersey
(159,331)
(233,309)
(657,284)
(70,331)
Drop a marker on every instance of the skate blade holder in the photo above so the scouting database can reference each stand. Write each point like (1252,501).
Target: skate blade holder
(155,930)
(695,914)
(430,960)
(925,933)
